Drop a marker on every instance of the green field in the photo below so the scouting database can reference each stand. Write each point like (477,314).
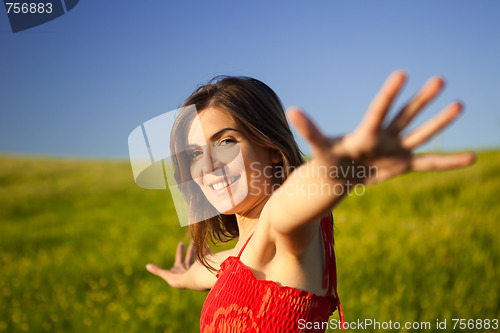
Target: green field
(75,236)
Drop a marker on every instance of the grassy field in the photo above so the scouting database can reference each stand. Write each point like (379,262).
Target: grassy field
(75,237)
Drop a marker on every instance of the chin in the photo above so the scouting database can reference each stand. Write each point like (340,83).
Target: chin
(226,207)
(227,201)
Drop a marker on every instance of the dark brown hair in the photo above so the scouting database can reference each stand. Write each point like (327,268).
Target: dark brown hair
(260,115)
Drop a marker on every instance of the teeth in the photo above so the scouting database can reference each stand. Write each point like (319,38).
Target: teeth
(223,184)
(218,186)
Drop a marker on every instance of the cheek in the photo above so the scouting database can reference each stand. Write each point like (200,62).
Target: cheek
(260,166)
(257,175)
(264,176)
(197,172)
(238,164)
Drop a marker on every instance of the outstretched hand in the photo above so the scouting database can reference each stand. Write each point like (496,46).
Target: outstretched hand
(176,276)
(381,146)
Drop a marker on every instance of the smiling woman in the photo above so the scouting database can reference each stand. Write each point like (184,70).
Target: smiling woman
(282,270)
(239,121)
(222,170)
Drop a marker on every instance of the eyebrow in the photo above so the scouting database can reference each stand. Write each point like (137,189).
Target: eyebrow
(216,135)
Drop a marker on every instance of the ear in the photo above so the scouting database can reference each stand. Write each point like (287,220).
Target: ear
(276,157)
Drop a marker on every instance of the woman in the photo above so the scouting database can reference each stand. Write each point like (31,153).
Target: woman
(242,161)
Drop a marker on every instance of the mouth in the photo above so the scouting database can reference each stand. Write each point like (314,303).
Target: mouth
(223,184)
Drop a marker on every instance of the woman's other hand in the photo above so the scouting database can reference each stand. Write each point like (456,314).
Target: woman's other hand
(177,276)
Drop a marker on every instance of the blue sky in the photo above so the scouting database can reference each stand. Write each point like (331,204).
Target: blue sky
(78,85)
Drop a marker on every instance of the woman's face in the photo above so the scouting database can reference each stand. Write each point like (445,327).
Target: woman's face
(232,172)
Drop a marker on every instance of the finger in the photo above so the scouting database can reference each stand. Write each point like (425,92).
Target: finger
(430,162)
(380,105)
(179,254)
(432,127)
(158,271)
(428,92)
(171,278)
(188,260)
(306,128)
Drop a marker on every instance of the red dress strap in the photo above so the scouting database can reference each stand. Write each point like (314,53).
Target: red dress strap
(244,245)
(330,276)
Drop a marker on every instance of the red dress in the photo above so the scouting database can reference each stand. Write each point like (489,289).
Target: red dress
(239,302)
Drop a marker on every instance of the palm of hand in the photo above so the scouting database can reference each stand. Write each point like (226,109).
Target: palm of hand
(176,275)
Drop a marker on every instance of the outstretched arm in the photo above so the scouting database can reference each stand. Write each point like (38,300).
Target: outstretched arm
(374,151)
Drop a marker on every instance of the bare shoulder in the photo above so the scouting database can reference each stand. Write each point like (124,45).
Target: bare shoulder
(288,261)
(293,241)
(200,277)
(217,258)
(270,245)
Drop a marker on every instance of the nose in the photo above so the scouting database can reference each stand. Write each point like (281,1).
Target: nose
(208,161)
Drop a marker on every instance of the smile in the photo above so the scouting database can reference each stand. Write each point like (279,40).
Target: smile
(223,184)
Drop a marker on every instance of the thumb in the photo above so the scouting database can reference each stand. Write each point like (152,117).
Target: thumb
(171,278)
(306,127)
(158,271)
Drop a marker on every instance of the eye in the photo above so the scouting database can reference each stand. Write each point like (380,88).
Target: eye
(195,155)
(225,142)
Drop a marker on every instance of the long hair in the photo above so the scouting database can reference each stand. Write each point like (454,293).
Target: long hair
(260,115)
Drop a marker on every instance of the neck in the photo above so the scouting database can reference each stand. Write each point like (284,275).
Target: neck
(247,222)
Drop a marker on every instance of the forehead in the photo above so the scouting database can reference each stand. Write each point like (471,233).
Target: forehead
(208,122)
